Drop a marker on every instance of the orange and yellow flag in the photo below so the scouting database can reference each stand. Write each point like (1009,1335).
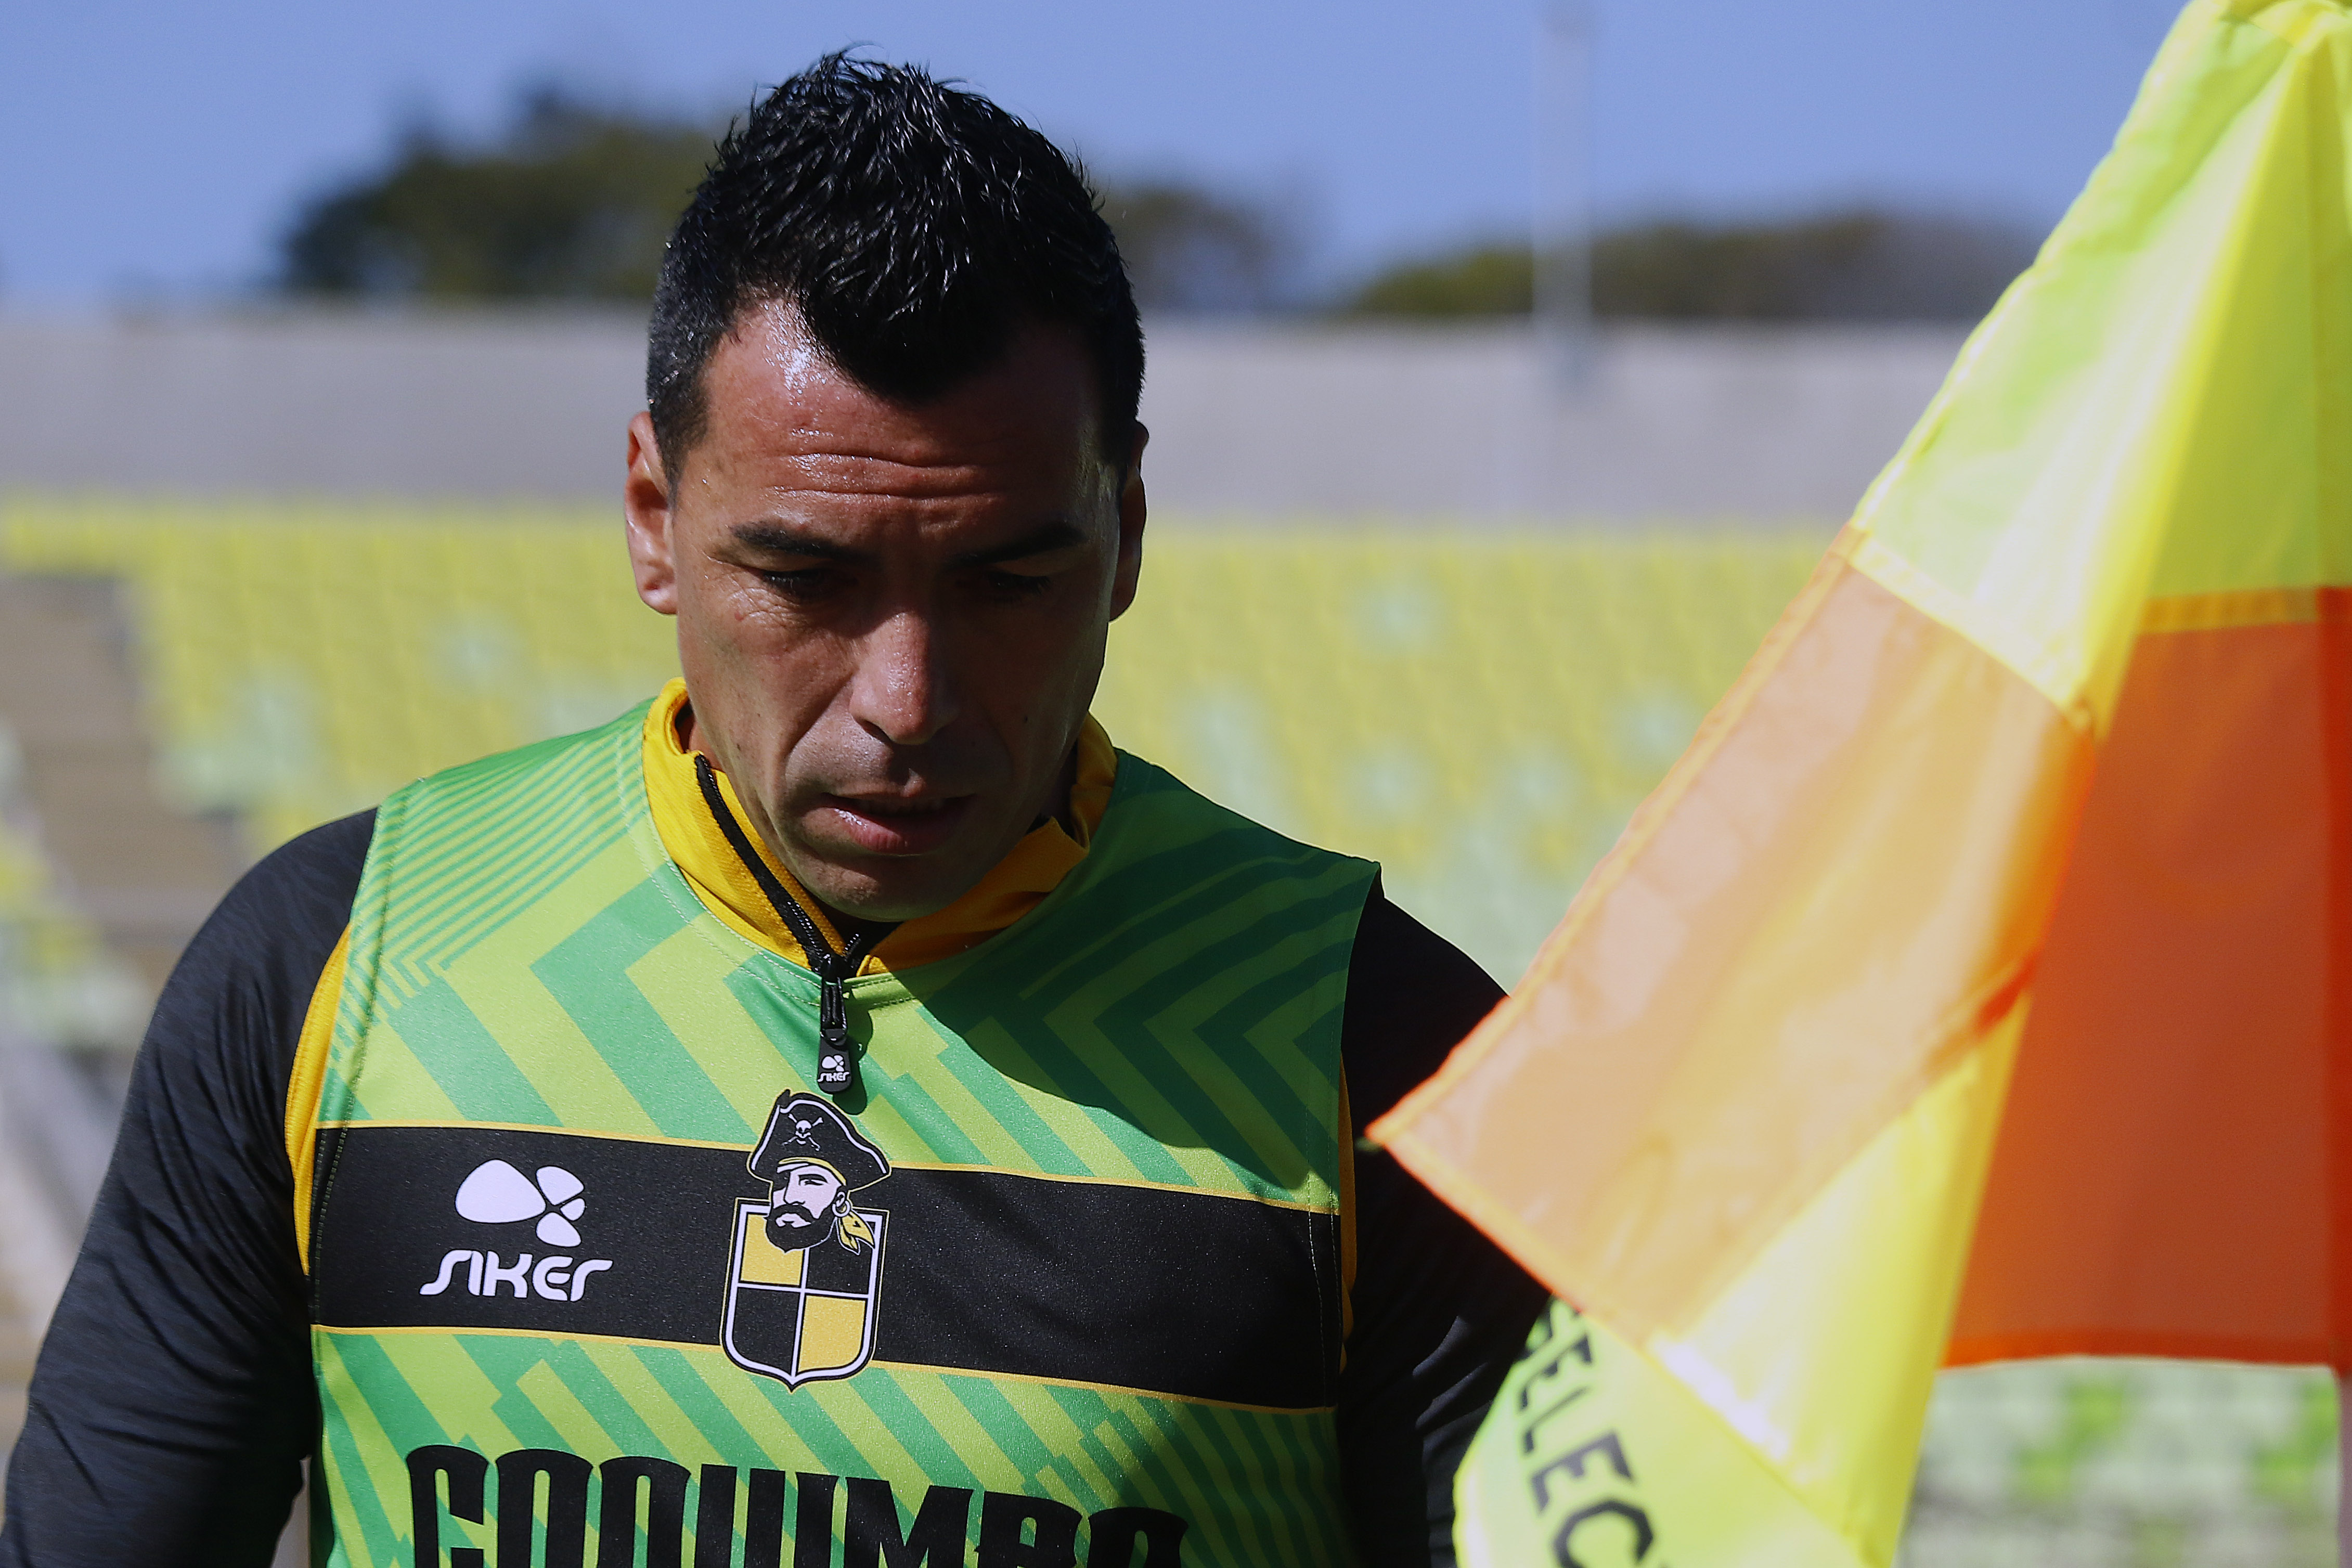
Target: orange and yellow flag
(1979,983)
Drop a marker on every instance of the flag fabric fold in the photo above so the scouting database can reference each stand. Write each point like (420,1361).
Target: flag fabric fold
(1978,980)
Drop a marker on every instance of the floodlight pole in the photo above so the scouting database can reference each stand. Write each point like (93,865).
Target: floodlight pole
(2343,1472)
(1561,234)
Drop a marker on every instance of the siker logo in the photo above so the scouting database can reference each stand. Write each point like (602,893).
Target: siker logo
(496,1193)
(806,1272)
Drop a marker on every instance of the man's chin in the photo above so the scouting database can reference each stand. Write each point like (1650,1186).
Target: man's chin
(891,889)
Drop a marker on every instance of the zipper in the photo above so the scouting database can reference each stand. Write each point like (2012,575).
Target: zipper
(836,1052)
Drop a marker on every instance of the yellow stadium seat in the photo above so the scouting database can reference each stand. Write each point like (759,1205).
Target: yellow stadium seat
(1477,710)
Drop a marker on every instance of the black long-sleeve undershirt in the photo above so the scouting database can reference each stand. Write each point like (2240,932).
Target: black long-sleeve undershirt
(173,1402)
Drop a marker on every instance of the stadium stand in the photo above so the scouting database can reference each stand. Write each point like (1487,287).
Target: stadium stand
(141,873)
(1479,708)
(1479,711)
(302,662)
(58,981)
(58,978)
(55,1127)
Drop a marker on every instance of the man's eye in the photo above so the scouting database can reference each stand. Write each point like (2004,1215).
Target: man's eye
(810,583)
(1014,584)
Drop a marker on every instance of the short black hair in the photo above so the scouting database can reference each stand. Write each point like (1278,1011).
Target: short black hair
(913,227)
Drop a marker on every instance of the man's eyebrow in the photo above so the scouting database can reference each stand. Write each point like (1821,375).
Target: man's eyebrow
(782,539)
(1059,534)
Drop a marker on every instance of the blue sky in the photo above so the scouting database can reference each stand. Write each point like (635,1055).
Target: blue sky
(157,150)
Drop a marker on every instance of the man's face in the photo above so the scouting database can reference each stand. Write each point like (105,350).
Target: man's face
(891,620)
(802,1201)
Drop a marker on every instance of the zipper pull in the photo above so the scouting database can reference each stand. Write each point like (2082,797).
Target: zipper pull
(836,1053)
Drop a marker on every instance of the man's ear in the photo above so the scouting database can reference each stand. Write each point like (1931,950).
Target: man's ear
(644,502)
(1131,511)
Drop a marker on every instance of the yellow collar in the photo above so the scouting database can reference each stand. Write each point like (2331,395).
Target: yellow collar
(1013,887)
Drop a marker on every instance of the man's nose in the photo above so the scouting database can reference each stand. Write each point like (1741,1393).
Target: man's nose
(903,693)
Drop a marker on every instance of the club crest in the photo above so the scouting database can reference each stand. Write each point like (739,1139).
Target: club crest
(806,1276)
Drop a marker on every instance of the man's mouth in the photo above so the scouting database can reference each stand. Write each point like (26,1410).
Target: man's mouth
(895,825)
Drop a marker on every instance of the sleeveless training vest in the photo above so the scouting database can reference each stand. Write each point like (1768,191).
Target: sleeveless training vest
(1059,1280)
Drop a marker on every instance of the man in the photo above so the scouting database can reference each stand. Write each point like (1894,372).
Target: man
(1078,1055)
(812,1160)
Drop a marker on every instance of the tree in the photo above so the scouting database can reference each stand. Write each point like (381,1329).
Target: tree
(1856,265)
(1191,250)
(1485,280)
(574,203)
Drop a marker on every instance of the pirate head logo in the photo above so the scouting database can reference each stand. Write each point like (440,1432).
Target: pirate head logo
(812,1160)
(807,1259)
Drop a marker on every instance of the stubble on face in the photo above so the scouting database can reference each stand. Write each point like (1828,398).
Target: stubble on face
(891,619)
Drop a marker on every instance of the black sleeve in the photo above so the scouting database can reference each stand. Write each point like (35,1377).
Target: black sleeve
(171,1404)
(1440,1312)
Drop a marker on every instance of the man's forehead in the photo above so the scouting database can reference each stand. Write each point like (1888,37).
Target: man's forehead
(784,415)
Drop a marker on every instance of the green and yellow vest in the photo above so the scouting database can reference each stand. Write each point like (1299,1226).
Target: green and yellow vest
(1060,1280)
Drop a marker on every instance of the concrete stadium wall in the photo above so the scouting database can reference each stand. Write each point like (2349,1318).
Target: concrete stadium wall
(1246,417)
